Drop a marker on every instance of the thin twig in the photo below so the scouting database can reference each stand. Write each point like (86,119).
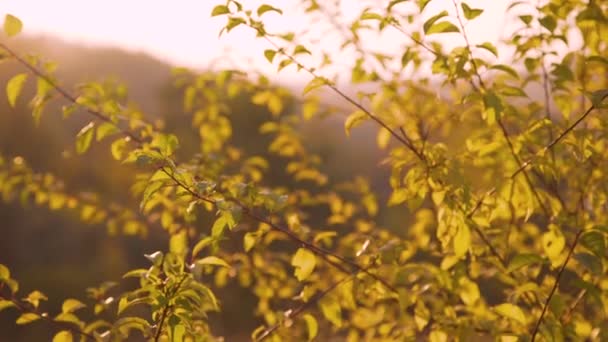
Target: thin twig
(555,285)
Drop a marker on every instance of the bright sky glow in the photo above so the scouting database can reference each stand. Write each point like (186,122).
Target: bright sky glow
(183,33)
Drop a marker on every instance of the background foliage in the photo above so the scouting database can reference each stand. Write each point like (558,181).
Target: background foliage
(485,219)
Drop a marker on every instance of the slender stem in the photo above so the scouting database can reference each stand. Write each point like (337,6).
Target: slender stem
(65,94)
(45,317)
(555,285)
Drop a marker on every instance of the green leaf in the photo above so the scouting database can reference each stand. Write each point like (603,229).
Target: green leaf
(304,261)
(353,120)
(71,305)
(13,88)
(118,149)
(234,22)
(4,304)
(5,273)
(300,49)
(269,54)
(249,241)
(178,243)
(219,10)
(462,240)
(267,8)
(201,245)
(422,4)
(12,25)
(315,83)
(553,243)
(429,22)
(522,260)
(527,19)
(212,260)
(26,318)
(591,262)
(493,107)
(597,98)
(595,242)
(548,22)
(128,323)
(512,91)
(311,325)
(63,336)
(331,310)
(84,138)
(106,129)
(490,47)
(370,16)
(506,69)
(442,27)
(470,13)
(35,297)
(511,311)
(393,3)
(383,137)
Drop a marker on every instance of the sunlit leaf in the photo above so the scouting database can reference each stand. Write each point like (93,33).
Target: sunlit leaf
(304,261)
(595,242)
(212,260)
(267,8)
(219,10)
(511,311)
(12,25)
(470,13)
(71,305)
(331,310)
(84,138)
(522,260)
(311,325)
(63,336)
(13,88)
(353,120)
(462,240)
(27,318)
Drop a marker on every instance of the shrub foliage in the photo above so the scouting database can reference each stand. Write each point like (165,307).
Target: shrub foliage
(496,151)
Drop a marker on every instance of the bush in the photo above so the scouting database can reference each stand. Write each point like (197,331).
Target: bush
(496,157)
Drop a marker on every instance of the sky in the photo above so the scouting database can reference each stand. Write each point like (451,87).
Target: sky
(183,33)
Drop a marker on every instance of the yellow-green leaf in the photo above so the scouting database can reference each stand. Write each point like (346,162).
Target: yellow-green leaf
(6,304)
(353,120)
(442,27)
(522,260)
(311,325)
(462,240)
(315,83)
(383,138)
(470,13)
(219,10)
(304,261)
(13,88)
(267,8)
(331,310)
(511,311)
(212,260)
(178,243)
(553,243)
(63,336)
(269,54)
(71,305)
(12,25)
(202,244)
(106,129)
(84,138)
(5,273)
(27,318)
